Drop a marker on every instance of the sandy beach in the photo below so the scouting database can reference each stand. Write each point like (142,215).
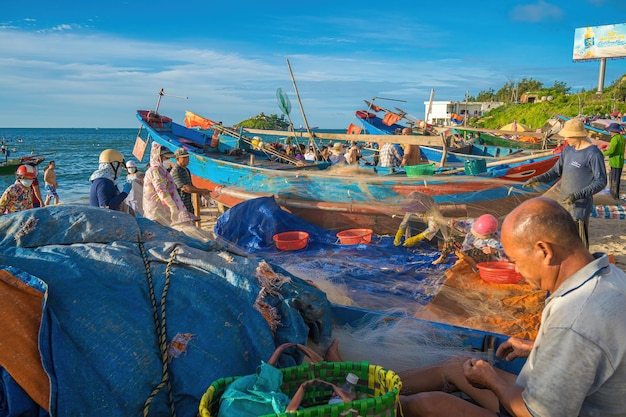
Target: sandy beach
(609,236)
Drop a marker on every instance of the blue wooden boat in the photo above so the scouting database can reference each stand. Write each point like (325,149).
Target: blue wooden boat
(332,197)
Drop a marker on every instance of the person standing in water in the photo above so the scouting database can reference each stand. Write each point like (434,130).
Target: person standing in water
(50,180)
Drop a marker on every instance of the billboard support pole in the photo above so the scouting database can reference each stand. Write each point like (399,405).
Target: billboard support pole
(601,76)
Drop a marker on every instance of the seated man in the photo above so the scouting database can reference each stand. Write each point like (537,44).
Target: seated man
(577,364)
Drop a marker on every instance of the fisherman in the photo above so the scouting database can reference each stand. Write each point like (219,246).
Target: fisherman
(577,364)
(182,178)
(412,153)
(482,239)
(161,201)
(582,173)
(19,195)
(615,152)
(104,192)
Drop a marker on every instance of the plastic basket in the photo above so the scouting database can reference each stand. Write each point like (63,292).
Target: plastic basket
(419,170)
(291,240)
(381,386)
(355,236)
(475,167)
(498,272)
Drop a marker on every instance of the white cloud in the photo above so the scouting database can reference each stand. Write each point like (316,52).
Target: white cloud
(538,12)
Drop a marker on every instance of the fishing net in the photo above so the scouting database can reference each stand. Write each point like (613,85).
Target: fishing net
(379,276)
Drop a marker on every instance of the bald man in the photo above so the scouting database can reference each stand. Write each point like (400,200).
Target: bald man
(577,364)
(412,153)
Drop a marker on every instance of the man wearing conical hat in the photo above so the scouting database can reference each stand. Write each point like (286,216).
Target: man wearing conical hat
(582,173)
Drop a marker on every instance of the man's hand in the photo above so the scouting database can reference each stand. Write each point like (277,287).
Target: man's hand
(479,373)
(569,200)
(531,183)
(514,348)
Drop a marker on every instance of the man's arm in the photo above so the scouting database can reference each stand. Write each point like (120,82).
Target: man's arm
(190,188)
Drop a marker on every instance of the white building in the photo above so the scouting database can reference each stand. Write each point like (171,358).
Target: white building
(442,111)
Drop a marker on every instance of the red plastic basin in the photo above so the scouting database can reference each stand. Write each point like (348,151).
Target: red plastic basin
(291,240)
(355,236)
(498,272)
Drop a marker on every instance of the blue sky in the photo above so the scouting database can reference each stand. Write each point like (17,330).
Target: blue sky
(92,64)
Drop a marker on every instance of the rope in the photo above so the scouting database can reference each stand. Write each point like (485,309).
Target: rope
(266,150)
(161,331)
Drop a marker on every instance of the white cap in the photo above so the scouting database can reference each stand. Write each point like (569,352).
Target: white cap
(130,164)
(352,378)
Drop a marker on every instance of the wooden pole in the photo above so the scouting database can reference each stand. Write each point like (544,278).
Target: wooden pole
(306,123)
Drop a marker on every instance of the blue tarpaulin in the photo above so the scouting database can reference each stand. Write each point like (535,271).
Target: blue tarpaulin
(375,276)
(112,282)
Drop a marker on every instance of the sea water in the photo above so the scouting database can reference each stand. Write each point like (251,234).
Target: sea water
(75,153)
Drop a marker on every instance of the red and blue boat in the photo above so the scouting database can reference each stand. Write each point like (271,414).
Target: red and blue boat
(330,196)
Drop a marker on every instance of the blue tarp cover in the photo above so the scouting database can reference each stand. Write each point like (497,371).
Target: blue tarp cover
(98,337)
(376,276)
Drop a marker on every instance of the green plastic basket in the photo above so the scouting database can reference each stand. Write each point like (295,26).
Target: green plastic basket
(475,167)
(419,170)
(380,386)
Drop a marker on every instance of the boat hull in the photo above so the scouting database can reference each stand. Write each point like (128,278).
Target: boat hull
(333,198)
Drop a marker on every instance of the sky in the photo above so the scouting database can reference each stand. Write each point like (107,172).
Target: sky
(90,64)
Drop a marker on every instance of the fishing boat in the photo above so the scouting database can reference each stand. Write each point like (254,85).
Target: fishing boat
(485,141)
(10,165)
(234,169)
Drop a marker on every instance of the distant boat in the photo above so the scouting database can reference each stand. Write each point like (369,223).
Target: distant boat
(304,129)
(10,165)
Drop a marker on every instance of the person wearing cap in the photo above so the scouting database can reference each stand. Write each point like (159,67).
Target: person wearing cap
(161,201)
(19,195)
(615,152)
(337,157)
(482,238)
(182,178)
(104,192)
(582,173)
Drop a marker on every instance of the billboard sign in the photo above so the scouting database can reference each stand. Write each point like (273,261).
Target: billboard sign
(595,42)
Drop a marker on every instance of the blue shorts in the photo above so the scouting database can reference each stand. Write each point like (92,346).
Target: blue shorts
(51,191)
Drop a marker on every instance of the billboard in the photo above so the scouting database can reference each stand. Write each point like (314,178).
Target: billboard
(595,42)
